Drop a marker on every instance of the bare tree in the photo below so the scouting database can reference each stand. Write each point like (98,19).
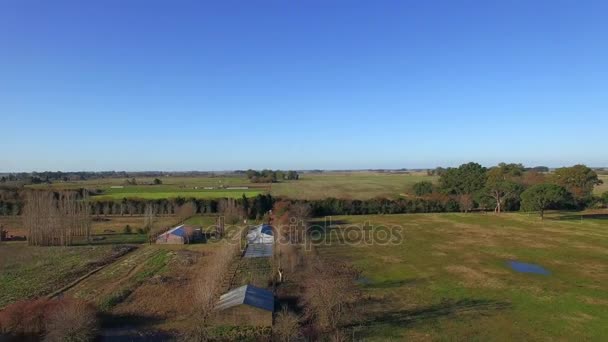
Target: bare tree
(286,326)
(54,218)
(465,202)
(209,285)
(186,211)
(150,216)
(230,210)
(330,293)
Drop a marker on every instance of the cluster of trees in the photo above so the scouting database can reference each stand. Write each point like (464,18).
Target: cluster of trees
(270,176)
(514,187)
(329,293)
(254,207)
(54,218)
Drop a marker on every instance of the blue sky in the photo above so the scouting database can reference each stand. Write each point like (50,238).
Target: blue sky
(217,85)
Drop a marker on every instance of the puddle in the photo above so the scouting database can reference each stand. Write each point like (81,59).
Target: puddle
(527,268)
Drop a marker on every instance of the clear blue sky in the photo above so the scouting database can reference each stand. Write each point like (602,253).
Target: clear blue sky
(216,85)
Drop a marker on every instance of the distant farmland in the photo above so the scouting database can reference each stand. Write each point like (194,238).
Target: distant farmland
(111,195)
(171,187)
(353,185)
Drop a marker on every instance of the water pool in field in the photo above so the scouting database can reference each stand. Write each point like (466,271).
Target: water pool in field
(527,268)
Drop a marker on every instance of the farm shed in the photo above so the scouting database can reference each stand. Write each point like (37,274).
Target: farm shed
(178,235)
(260,234)
(260,241)
(246,305)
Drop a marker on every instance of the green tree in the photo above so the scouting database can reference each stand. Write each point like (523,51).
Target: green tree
(579,180)
(503,183)
(157,181)
(541,197)
(423,188)
(466,179)
(605,198)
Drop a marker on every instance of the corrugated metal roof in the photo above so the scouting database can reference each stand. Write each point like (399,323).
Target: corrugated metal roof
(248,295)
(258,250)
(260,234)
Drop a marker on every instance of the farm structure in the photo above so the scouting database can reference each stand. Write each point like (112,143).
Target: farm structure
(260,241)
(179,235)
(247,305)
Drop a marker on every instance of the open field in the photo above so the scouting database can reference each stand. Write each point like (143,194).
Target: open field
(26,272)
(353,185)
(449,279)
(600,189)
(172,187)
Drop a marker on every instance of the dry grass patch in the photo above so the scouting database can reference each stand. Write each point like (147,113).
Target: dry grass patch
(473,278)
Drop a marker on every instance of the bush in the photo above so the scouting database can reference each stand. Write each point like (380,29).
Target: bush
(55,320)
(72,321)
(423,188)
(127,229)
(141,231)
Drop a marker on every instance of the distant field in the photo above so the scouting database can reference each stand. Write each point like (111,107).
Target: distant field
(172,187)
(450,277)
(354,185)
(600,189)
(202,194)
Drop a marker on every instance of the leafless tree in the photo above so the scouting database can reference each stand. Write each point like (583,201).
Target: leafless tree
(286,326)
(230,210)
(149,216)
(210,283)
(186,211)
(465,201)
(54,218)
(330,293)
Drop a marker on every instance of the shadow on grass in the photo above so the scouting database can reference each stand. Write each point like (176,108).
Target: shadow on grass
(445,309)
(129,327)
(583,217)
(388,284)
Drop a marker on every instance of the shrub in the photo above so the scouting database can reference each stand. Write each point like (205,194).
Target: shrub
(55,320)
(72,321)
(127,229)
(286,326)
(423,188)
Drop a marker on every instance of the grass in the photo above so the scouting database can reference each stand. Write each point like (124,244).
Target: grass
(172,187)
(354,185)
(600,189)
(27,272)
(448,277)
(201,194)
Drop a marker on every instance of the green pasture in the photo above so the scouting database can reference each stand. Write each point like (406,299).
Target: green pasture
(353,185)
(448,278)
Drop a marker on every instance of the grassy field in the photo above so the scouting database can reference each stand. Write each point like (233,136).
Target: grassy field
(199,194)
(600,189)
(26,272)
(172,187)
(354,185)
(449,278)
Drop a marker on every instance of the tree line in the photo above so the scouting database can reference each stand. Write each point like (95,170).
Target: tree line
(271,176)
(514,187)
